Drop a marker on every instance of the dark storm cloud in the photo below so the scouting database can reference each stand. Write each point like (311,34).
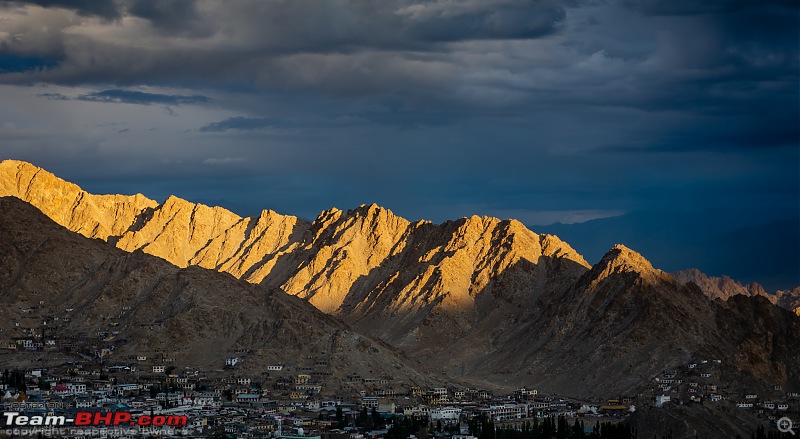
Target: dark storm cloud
(436,108)
(261,43)
(692,7)
(244,123)
(444,20)
(162,13)
(724,47)
(170,17)
(443,53)
(106,9)
(716,76)
(140,98)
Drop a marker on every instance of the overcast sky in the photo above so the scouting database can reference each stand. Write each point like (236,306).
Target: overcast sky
(541,110)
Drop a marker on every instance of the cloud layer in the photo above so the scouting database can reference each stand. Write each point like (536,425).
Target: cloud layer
(549,110)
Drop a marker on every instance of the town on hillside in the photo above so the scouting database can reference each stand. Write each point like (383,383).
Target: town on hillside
(291,401)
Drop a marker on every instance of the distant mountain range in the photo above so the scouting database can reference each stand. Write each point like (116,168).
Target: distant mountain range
(724,288)
(477,300)
(746,244)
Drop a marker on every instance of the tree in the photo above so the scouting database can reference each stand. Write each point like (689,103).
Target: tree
(362,417)
(577,430)
(339,417)
(17,380)
(562,429)
(760,433)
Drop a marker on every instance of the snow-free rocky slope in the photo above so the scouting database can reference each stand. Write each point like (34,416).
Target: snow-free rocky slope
(147,306)
(416,285)
(478,298)
(724,288)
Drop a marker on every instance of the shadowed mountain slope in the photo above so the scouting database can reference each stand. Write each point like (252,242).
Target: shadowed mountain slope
(146,305)
(478,298)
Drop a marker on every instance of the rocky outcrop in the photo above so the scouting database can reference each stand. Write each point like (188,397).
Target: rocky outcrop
(186,233)
(437,286)
(789,299)
(622,262)
(179,231)
(95,216)
(369,261)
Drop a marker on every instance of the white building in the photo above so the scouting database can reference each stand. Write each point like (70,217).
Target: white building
(207,400)
(369,402)
(76,388)
(420,411)
(445,413)
(526,393)
(506,411)
(439,391)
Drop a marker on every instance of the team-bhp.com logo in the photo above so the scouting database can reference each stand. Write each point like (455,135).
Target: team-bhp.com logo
(93,419)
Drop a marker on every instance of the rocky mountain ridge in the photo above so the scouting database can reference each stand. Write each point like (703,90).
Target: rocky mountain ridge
(637,321)
(364,265)
(477,298)
(724,288)
(143,305)
(186,233)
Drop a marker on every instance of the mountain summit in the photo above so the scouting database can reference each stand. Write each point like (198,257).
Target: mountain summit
(356,262)
(478,297)
(621,260)
(407,282)
(94,216)
(195,316)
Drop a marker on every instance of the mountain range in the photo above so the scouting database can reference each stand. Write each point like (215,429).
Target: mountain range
(191,316)
(724,288)
(477,300)
(731,241)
